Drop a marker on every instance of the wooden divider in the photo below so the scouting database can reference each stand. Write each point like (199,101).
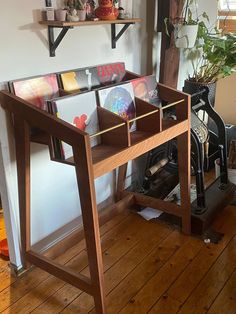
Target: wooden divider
(114,129)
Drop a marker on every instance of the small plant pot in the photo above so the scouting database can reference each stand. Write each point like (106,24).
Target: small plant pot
(50,14)
(81,15)
(60,15)
(185,35)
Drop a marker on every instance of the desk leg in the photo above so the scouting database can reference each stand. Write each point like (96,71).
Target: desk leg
(121,181)
(87,194)
(183,142)
(22,144)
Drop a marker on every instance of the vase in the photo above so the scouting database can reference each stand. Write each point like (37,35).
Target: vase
(81,15)
(106,10)
(185,35)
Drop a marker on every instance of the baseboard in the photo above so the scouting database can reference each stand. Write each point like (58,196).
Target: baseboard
(56,243)
(70,234)
(16,271)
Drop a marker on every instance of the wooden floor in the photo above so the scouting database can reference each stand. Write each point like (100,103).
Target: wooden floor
(2,228)
(150,267)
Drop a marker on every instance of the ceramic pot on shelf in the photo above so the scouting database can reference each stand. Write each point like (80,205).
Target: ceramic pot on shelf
(81,15)
(61,15)
(50,14)
(106,10)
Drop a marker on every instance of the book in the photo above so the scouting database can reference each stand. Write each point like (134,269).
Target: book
(79,110)
(120,100)
(36,90)
(92,77)
(111,73)
(80,80)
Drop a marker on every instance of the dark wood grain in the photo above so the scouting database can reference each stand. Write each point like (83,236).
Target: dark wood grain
(169,65)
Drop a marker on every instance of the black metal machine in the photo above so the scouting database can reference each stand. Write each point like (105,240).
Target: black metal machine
(219,194)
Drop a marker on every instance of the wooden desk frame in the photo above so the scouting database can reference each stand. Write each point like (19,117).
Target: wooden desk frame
(25,117)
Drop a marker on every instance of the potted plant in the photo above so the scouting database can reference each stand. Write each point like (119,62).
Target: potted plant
(213,57)
(60,14)
(80,6)
(185,27)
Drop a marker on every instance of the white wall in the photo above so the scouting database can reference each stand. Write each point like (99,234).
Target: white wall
(225,103)
(24,53)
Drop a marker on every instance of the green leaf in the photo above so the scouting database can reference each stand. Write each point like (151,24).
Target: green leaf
(226,70)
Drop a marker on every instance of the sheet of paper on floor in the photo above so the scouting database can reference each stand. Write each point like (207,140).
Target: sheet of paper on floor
(149,213)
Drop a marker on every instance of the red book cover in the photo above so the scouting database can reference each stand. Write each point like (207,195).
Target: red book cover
(37,90)
(146,88)
(111,73)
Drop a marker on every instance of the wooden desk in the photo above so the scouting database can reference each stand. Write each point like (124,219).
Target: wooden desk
(92,163)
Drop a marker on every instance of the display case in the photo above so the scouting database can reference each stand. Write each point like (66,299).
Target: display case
(117,145)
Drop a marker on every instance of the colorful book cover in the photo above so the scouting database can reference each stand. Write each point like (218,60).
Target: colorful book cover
(111,73)
(120,100)
(57,150)
(146,88)
(81,111)
(80,80)
(37,90)
(93,77)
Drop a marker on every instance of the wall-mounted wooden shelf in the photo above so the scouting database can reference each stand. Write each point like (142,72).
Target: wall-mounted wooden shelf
(86,23)
(65,26)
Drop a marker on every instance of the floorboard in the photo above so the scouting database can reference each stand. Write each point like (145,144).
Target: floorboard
(150,267)
(226,299)
(210,286)
(200,265)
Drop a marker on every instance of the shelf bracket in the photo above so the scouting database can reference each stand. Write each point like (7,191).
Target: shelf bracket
(53,44)
(114,37)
